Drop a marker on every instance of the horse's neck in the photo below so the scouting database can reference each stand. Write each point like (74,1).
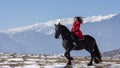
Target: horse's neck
(65,33)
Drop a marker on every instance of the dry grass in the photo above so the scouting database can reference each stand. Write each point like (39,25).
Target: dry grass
(61,60)
(13,65)
(51,60)
(111,60)
(102,65)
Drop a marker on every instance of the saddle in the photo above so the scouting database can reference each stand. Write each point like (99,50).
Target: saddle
(79,43)
(76,41)
(81,39)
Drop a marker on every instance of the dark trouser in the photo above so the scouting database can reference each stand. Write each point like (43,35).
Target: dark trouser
(75,38)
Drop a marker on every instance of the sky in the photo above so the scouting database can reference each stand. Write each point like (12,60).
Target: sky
(16,13)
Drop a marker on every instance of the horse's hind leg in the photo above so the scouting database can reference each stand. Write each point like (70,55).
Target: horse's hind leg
(92,56)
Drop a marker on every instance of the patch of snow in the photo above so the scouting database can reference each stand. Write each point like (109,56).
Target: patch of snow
(98,18)
(5,67)
(31,66)
(15,59)
(29,62)
(114,66)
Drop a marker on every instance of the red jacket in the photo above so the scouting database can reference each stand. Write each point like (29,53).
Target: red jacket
(76,30)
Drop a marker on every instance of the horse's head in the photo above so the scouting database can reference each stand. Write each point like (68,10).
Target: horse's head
(57,30)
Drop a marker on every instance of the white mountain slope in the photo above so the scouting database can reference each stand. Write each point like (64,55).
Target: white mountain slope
(115,54)
(39,38)
(39,27)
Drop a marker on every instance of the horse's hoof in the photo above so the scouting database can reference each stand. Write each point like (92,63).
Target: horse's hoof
(69,63)
(90,64)
(100,60)
(68,66)
(71,58)
(96,61)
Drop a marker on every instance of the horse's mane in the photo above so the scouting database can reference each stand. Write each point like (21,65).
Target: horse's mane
(65,28)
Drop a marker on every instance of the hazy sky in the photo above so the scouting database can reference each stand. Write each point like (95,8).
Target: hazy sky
(14,13)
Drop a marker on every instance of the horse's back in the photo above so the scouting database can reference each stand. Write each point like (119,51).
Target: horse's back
(86,42)
(88,37)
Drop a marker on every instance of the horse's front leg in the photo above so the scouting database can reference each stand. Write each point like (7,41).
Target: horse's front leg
(67,55)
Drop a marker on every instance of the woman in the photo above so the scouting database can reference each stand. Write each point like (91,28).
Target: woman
(76,32)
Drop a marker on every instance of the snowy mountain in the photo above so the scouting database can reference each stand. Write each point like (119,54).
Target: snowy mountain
(113,54)
(39,38)
(47,26)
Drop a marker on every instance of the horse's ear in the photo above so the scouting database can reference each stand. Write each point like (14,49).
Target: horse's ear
(55,24)
(59,23)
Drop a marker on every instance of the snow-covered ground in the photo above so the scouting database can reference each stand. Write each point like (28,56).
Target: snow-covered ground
(46,61)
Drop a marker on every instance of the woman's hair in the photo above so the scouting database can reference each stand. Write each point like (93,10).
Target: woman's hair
(79,19)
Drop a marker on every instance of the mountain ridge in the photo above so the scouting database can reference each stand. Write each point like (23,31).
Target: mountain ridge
(49,24)
(113,54)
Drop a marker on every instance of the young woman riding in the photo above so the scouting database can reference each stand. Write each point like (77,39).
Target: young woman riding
(76,32)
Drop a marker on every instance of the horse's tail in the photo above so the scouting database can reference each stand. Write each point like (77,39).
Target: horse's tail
(97,53)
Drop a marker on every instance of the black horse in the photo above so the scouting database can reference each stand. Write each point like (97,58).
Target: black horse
(88,44)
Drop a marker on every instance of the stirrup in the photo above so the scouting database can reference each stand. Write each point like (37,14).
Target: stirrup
(74,43)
